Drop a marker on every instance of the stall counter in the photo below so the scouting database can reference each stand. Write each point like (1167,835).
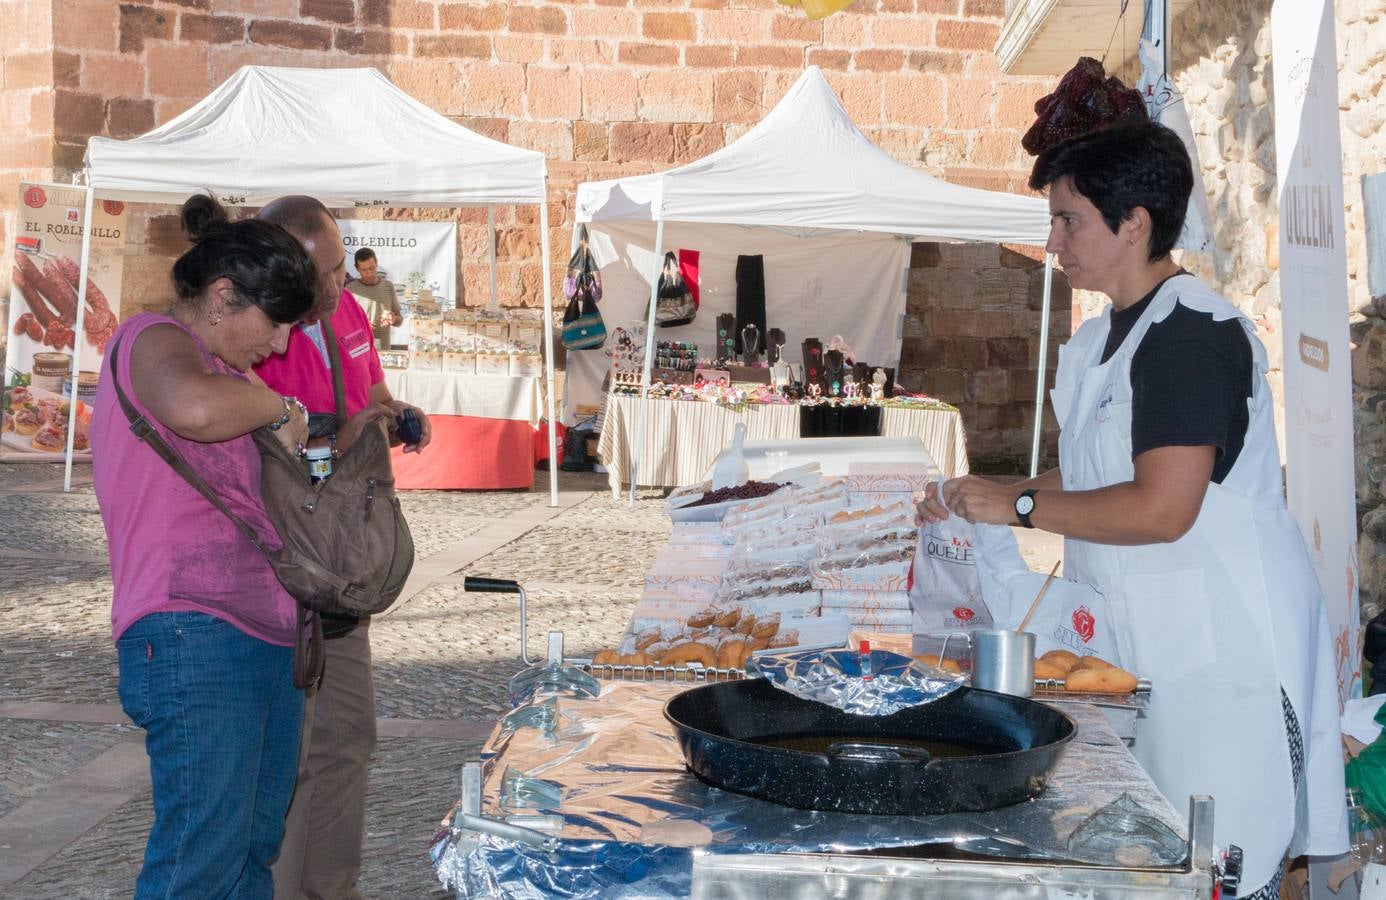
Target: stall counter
(483,429)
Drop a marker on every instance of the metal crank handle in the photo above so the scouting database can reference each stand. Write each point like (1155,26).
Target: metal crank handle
(486,585)
(517,833)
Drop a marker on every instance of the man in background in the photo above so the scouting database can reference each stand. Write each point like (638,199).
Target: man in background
(320,857)
(377,296)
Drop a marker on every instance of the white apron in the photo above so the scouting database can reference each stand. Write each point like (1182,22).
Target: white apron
(1219,620)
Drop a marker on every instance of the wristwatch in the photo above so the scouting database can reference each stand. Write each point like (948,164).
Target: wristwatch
(1024,505)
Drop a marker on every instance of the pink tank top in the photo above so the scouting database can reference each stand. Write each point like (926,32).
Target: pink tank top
(171,550)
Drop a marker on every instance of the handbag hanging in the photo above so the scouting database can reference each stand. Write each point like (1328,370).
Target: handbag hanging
(673,300)
(346,548)
(583,328)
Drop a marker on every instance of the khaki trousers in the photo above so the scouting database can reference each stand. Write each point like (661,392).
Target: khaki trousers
(320,858)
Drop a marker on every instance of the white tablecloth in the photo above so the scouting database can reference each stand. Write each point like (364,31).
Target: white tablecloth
(682,437)
(518,397)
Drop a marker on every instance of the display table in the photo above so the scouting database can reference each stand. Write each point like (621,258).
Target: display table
(483,430)
(683,437)
(625,818)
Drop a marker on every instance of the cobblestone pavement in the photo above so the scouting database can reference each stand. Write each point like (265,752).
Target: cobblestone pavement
(442,657)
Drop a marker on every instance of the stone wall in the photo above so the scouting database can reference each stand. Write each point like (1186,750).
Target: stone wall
(971,325)
(26,109)
(1224,69)
(604,88)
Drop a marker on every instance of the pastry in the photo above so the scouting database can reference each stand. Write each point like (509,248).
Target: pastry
(1048,670)
(1110,680)
(732,654)
(785,639)
(1064,659)
(745,625)
(644,639)
(703,618)
(606,658)
(689,652)
(766,626)
(1091,662)
(727,618)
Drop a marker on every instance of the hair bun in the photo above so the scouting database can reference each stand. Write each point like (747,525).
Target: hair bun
(1085,100)
(202,215)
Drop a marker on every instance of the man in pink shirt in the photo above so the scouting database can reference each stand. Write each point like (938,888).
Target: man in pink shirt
(321,853)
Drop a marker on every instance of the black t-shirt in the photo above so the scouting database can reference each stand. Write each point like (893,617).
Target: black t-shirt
(1191,379)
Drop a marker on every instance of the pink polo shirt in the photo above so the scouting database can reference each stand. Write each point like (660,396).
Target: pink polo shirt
(171,549)
(301,372)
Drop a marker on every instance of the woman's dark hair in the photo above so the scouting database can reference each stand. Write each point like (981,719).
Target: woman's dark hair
(1121,167)
(267,266)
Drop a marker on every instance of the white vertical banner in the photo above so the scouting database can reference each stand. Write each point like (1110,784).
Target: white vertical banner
(1314,305)
(420,258)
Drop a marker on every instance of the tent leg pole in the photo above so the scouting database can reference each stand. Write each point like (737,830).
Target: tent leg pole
(548,348)
(78,335)
(491,245)
(1043,364)
(649,359)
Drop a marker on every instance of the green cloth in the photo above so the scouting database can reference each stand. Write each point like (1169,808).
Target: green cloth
(1367,770)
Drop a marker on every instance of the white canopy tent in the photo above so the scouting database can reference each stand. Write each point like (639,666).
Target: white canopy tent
(805,173)
(267,132)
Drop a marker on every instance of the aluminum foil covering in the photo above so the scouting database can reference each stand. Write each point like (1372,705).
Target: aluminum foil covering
(631,813)
(876,683)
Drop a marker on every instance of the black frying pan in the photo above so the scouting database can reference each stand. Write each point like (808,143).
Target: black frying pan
(970,751)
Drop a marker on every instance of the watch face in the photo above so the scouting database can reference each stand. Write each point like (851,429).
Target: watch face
(1025,505)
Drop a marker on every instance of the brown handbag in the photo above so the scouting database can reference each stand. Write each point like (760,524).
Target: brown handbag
(346,548)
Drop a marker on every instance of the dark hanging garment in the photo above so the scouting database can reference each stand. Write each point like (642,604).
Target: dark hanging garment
(750,295)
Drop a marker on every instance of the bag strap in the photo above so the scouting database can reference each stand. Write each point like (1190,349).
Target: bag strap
(334,357)
(148,434)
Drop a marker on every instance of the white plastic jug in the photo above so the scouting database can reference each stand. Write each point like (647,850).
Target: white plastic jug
(730,468)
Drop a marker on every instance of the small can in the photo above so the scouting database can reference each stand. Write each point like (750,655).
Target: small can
(319,463)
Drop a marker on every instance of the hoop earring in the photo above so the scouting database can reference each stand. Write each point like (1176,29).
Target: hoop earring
(216,318)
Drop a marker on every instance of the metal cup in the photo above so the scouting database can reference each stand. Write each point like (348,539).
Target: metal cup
(1004,661)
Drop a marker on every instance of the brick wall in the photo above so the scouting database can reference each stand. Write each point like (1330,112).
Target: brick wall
(603,88)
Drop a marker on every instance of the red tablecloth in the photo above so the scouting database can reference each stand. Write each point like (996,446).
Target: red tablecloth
(469,453)
(472,453)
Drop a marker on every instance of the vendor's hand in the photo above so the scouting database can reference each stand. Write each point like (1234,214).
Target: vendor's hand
(928,505)
(426,427)
(396,319)
(980,500)
(357,424)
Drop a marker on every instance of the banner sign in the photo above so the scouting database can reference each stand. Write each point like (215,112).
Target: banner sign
(420,258)
(43,319)
(1314,305)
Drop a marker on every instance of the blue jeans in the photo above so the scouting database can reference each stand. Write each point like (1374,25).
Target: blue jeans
(221,717)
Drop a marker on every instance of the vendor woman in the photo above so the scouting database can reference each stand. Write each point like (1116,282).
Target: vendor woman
(1168,494)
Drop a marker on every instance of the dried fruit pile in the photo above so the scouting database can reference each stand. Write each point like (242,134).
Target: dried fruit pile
(1085,100)
(747,491)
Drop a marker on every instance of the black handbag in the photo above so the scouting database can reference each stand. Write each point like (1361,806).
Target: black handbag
(674,304)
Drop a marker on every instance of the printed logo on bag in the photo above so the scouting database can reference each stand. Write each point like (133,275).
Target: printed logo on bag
(35,198)
(1084,623)
(963,614)
(113,207)
(954,550)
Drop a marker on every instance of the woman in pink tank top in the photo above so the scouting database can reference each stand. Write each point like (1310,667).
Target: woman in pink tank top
(204,631)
